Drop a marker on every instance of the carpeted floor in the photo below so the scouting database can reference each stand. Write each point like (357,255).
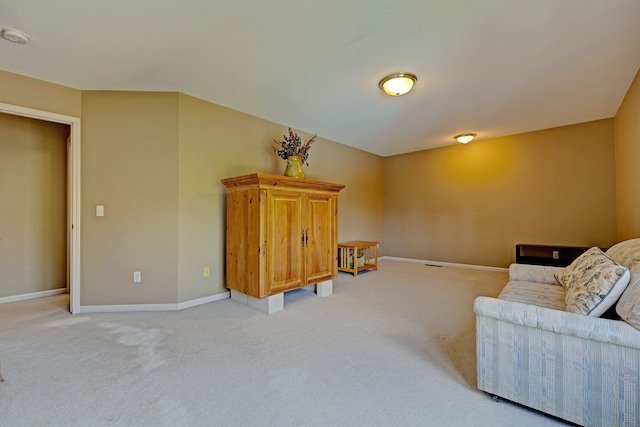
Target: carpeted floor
(389,348)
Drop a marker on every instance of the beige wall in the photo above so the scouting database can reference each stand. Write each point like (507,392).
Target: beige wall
(33,239)
(155,161)
(217,143)
(627,135)
(38,94)
(129,165)
(472,203)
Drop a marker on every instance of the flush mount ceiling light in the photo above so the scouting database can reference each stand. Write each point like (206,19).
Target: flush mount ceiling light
(14,36)
(465,137)
(397,84)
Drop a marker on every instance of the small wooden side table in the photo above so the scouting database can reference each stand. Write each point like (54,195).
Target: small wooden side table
(357,256)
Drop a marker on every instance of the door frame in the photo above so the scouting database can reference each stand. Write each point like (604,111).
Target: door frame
(73,221)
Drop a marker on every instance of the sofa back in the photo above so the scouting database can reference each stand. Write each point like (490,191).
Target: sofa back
(627,253)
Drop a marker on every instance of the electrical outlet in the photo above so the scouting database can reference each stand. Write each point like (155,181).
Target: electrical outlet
(556,255)
(137,277)
(206,272)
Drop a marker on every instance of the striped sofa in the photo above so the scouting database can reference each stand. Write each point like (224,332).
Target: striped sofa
(579,368)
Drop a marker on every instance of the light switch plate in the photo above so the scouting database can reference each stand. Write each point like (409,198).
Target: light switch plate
(99,210)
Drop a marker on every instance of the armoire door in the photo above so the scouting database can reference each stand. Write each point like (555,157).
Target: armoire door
(319,253)
(284,241)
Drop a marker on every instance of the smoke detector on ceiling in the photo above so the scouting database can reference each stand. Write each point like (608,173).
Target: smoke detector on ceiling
(14,36)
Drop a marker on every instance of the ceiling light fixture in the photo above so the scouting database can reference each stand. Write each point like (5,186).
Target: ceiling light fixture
(14,36)
(397,84)
(465,137)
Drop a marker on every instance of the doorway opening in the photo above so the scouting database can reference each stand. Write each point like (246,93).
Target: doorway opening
(73,203)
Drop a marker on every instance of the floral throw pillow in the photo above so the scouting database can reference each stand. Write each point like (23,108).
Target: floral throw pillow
(593,283)
(581,267)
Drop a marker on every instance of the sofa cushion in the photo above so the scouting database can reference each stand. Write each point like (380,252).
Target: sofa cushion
(534,273)
(628,308)
(627,253)
(593,283)
(540,294)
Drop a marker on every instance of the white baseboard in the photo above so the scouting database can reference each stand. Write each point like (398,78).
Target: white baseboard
(203,300)
(33,295)
(444,264)
(153,307)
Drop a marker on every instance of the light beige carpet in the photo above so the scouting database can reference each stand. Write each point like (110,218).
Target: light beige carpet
(390,348)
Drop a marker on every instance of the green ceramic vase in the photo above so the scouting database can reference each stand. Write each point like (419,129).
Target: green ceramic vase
(294,167)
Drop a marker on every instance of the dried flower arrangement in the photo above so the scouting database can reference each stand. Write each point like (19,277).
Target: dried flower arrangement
(291,145)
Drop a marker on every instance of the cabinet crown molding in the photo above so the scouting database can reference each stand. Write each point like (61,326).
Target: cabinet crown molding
(264,180)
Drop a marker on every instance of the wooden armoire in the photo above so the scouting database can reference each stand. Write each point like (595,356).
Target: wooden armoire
(281,233)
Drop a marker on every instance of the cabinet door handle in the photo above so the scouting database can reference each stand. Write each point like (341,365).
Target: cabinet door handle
(303,241)
(306,238)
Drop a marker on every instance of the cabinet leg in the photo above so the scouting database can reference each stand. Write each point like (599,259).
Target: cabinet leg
(325,288)
(268,305)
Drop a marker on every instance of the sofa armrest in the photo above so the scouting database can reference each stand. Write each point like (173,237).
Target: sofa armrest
(592,328)
(533,273)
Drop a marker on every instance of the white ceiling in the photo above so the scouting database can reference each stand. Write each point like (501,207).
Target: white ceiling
(494,67)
